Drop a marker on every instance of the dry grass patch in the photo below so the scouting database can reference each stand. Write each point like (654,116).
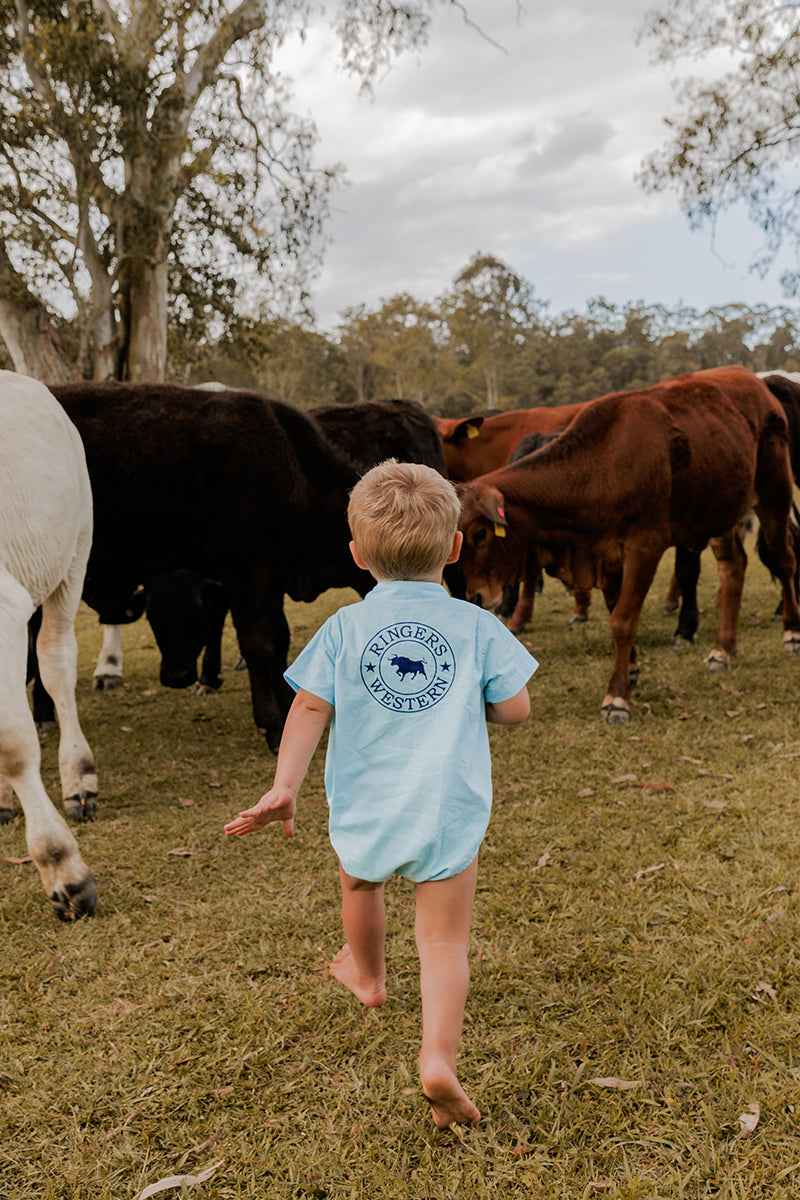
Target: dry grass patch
(636,983)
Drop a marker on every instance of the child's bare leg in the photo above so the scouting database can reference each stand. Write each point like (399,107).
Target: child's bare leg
(360,964)
(444,913)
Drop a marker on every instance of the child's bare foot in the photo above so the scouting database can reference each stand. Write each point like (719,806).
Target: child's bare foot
(449,1102)
(344,969)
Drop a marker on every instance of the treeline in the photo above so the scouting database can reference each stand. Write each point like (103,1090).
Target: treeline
(486,344)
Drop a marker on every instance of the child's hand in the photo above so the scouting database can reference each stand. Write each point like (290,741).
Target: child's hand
(278,804)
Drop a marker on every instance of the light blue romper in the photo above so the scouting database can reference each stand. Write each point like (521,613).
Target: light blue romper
(408,770)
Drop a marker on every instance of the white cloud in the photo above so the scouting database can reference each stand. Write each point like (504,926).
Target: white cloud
(529,152)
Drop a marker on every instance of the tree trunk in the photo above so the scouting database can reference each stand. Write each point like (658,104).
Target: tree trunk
(33,343)
(145,356)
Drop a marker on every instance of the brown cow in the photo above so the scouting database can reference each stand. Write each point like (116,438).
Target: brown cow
(680,462)
(478,444)
(481,443)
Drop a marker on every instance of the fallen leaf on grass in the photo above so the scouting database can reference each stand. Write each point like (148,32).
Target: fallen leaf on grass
(542,861)
(698,762)
(611,1081)
(640,874)
(658,786)
(582,795)
(735,712)
(718,804)
(763,986)
(179,1181)
(624,779)
(750,1118)
(183,852)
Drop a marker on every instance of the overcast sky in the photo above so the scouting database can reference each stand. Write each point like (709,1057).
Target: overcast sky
(528,152)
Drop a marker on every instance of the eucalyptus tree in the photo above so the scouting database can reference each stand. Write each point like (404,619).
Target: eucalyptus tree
(735,135)
(151,169)
(490,311)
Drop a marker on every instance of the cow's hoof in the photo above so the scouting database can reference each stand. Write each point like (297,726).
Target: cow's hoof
(81,808)
(6,815)
(73,901)
(791,641)
(679,642)
(718,661)
(615,711)
(669,606)
(240,664)
(106,683)
(45,727)
(206,689)
(576,618)
(272,739)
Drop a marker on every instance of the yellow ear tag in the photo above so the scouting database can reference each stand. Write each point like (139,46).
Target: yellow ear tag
(499,530)
(472,431)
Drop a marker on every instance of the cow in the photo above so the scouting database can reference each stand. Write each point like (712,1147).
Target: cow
(240,489)
(785,386)
(677,463)
(517,604)
(45,536)
(485,442)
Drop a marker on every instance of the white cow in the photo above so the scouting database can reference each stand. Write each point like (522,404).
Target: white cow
(45,538)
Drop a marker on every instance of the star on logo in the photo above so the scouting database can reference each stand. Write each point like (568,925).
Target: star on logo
(370,666)
(445,666)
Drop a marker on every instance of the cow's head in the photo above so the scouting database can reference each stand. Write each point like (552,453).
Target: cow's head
(459,436)
(493,555)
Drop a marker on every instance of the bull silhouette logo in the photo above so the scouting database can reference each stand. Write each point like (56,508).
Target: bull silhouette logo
(408,667)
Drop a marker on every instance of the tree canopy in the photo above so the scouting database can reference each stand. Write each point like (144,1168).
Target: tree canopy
(735,137)
(151,169)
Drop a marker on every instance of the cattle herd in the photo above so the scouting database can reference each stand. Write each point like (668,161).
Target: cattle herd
(185,504)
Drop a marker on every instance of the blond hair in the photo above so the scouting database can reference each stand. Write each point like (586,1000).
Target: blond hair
(403,518)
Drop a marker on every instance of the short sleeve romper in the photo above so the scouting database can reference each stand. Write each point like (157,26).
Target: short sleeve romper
(408,770)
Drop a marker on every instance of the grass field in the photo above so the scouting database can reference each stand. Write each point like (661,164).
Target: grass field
(632,1026)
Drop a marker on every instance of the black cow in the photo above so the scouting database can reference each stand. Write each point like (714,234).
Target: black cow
(187,612)
(239,489)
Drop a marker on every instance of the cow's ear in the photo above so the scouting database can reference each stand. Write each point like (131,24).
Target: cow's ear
(492,506)
(468,428)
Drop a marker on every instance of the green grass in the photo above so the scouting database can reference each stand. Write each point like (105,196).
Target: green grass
(636,920)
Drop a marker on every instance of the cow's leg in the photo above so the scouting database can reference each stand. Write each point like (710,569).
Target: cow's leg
(507,606)
(637,575)
(731,565)
(263,635)
(775,509)
(108,672)
(687,573)
(44,713)
(581,599)
(57,651)
(673,596)
(66,878)
(6,801)
(210,671)
(523,610)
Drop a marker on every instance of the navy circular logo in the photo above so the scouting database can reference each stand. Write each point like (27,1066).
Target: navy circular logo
(408,667)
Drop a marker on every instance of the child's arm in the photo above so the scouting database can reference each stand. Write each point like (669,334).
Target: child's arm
(304,727)
(510,712)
